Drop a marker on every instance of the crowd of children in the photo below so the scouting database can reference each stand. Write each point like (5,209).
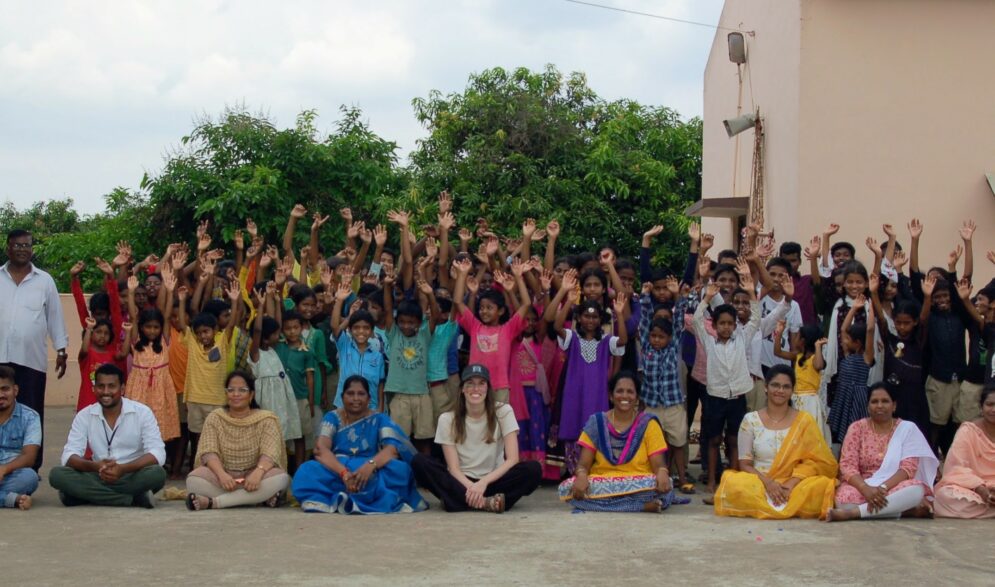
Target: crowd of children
(551,331)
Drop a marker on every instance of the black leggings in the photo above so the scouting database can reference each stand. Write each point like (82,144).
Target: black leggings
(432,474)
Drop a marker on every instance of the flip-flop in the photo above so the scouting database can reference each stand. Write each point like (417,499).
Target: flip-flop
(687,489)
(192,506)
(495,503)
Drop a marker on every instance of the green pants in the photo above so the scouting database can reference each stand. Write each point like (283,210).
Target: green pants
(77,488)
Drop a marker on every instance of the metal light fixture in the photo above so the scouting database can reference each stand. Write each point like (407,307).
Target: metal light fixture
(734,126)
(737,48)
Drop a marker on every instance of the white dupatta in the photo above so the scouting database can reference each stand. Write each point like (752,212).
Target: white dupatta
(907,442)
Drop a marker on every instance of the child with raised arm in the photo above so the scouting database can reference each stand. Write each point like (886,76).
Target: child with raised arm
(409,337)
(589,362)
(850,400)
(728,379)
(357,351)
(149,381)
(274,392)
(491,334)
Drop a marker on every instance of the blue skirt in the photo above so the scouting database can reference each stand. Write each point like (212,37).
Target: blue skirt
(390,490)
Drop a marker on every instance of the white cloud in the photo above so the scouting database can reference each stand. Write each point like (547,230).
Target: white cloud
(94,93)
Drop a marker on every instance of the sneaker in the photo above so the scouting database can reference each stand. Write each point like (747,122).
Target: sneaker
(145,500)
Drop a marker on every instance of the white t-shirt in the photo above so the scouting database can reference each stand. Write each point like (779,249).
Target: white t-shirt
(477,458)
(794,324)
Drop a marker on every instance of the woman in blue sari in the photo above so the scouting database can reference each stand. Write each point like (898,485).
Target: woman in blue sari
(362,461)
(621,466)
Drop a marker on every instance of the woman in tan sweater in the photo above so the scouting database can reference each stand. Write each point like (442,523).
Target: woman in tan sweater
(241,453)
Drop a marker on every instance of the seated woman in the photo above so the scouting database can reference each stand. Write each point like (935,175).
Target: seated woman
(480,443)
(361,461)
(621,466)
(886,465)
(787,469)
(241,453)
(967,489)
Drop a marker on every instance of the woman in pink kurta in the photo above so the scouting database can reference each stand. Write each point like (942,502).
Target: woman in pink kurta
(967,489)
(886,465)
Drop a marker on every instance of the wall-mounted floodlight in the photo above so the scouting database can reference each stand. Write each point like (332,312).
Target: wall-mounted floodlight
(734,126)
(737,48)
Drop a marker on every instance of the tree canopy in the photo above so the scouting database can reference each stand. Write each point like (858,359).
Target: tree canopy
(511,145)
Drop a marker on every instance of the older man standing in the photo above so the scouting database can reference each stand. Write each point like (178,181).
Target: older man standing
(30,313)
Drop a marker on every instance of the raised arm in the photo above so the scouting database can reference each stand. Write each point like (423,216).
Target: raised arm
(620,306)
(869,337)
(298,212)
(407,263)
(889,253)
(388,299)
(873,284)
(569,282)
(446,223)
(645,265)
(967,235)
(518,269)
(812,252)
(915,232)
(827,236)
(552,233)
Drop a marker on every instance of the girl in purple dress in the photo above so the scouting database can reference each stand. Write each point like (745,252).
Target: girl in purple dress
(589,363)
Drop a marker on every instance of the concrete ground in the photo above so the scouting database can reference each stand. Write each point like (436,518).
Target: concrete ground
(539,542)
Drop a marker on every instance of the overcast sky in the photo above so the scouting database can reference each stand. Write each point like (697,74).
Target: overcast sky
(94,93)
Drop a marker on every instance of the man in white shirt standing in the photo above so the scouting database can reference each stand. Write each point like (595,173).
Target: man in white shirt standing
(128,452)
(30,313)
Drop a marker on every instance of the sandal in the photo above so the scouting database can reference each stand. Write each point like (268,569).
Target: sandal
(710,500)
(495,503)
(194,505)
(274,501)
(687,488)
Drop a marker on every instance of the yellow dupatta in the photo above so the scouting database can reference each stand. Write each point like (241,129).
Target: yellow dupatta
(804,454)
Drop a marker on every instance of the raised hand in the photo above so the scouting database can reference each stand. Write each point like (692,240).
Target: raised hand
(872,244)
(704,267)
(179,260)
(203,242)
(707,242)
(445,202)
(889,230)
(491,248)
(251,228)
(967,230)
(711,290)
(964,289)
(472,285)
(90,323)
(518,268)
(380,235)
(619,304)
(298,211)
(606,258)
(365,234)
(463,265)
(447,221)
(353,231)
(506,280)
(765,249)
(132,283)
(546,279)
(215,254)
(831,229)
(915,228)
(873,282)
(539,235)
(955,255)
(317,221)
(399,217)
(694,231)
(168,279)
(928,284)
(343,292)
(182,292)
(860,302)
(202,228)
(123,254)
(813,248)
(346,214)
(673,285)
(234,290)
(657,229)
(553,229)
(465,235)
(991,256)
(424,286)
(788,287)
(900,260)
(431,247)
(569,280)
(238,240)
(76,269)
(528,228)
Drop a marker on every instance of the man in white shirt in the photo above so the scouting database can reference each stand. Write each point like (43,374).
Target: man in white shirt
(30,313)
(126,466)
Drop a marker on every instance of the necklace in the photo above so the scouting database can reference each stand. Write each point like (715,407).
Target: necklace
(888,432)
(611,417)
(773,422)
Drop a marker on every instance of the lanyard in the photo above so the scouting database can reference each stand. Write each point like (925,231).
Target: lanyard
(109,439)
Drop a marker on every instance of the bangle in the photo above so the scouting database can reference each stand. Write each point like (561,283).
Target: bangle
(344,472)
(374,463)
(262,468)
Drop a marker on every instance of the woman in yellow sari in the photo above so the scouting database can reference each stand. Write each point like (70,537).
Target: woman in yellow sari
(786,468)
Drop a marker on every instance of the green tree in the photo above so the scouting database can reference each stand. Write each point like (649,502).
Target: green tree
(241,166)
(523,143)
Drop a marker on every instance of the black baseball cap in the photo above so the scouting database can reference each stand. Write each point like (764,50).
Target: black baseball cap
(475,370)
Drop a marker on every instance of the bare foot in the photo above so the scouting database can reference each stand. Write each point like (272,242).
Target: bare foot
(653,507)
(710,500)
(842,515)
(24,502)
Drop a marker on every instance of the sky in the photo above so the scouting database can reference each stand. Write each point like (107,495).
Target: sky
(95,94)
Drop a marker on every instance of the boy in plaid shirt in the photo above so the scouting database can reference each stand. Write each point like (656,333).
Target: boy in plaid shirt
(661,389)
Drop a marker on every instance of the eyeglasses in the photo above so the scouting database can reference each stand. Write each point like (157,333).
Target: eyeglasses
(21,246)
(238,390)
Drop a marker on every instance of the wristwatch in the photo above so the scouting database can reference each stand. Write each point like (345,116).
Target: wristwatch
(61,352)
(883,486)
(374,463)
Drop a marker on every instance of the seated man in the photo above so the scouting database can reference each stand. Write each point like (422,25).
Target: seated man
(20,440)
(128,453)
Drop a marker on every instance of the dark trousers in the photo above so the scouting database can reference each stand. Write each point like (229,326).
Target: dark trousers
(31,392)
(78,488)
(432,474)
